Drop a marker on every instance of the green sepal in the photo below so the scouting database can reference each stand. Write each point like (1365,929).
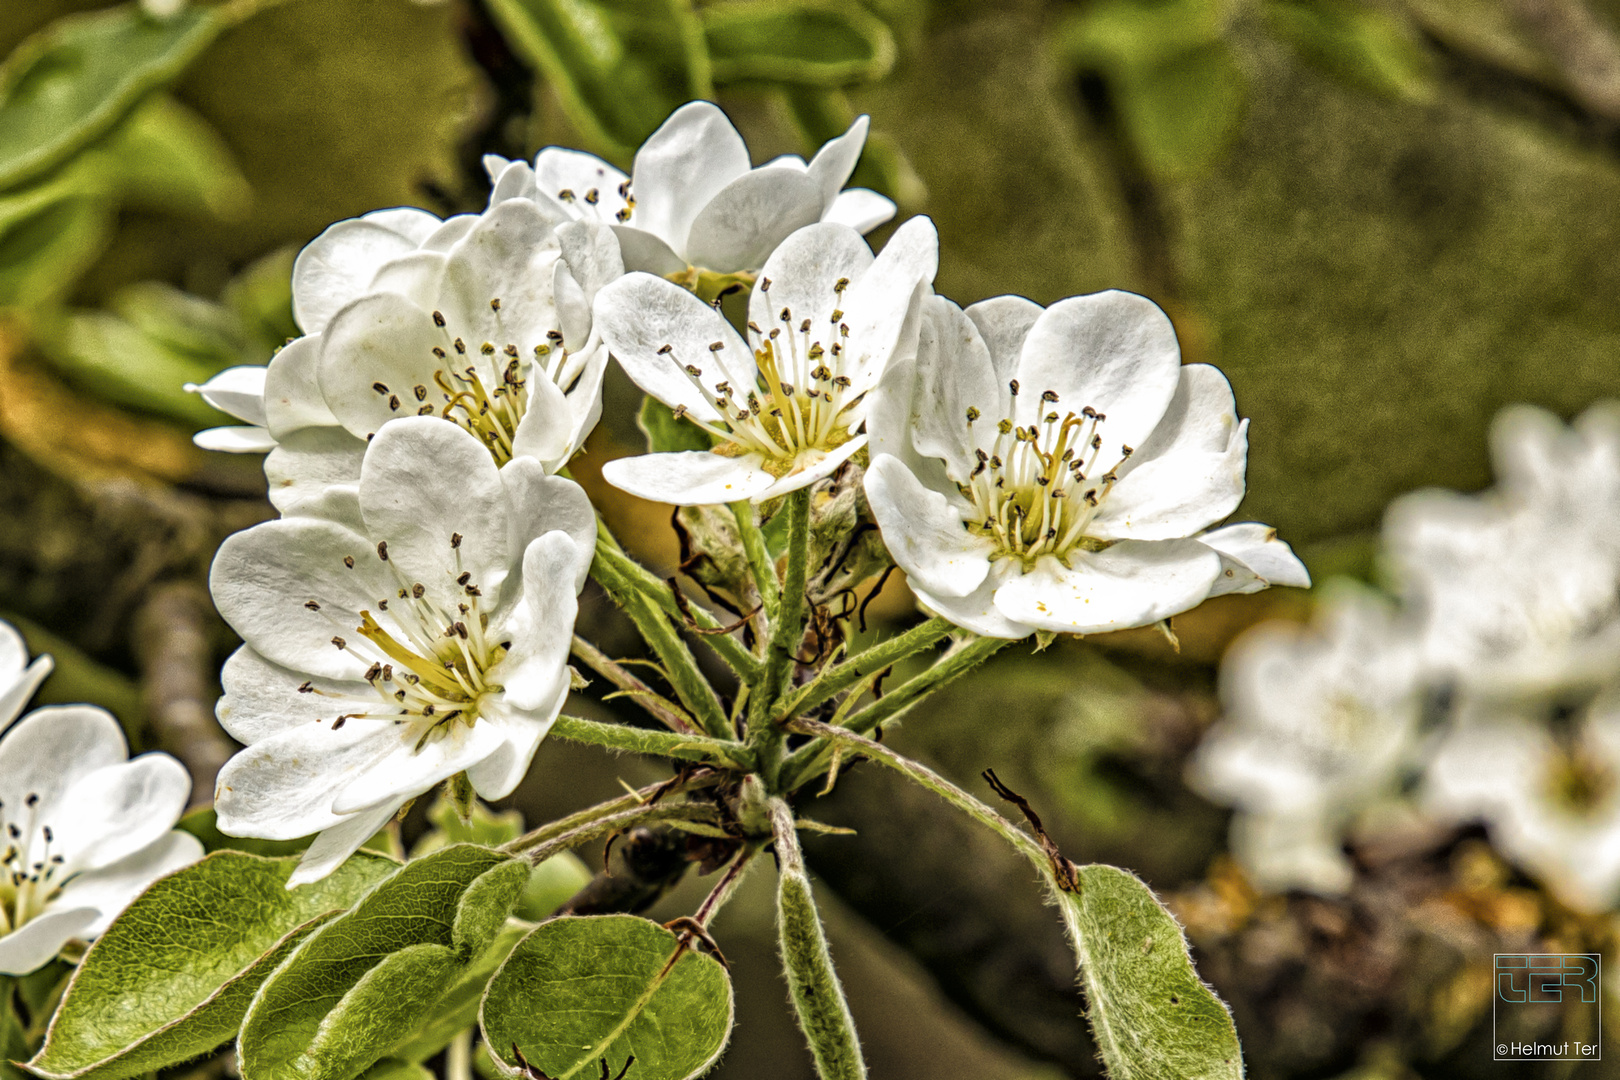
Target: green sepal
(173,975)
(578,990)
(804,42)
(1151,1015)
(358,987)
(72,81)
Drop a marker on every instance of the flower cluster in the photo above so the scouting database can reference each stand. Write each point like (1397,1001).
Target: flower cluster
(87,829)
(1494,684)
(407,621)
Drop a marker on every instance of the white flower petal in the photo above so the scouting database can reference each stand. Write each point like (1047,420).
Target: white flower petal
(307,464)
(283,787)
(20,687)
(292,389)
(977,611)
(924,532)
(1189,473)
(746,220)
(118,809)
(1132,583)
(417,276)
(538,504)
(509,179)
(810,466)
(1299,851)
(333,847)
(235,440)
(36,943)
(236,390)
(882,309)
(860,209)
(449,234)
(641,250)
(683,165)
(338,265)
(1113,351)
(262,698)
(803,273)
(690,478)
(545,434)
(1004,322)
(52,747)
(1253,558)
(423,483)
(409,771)
(498,775)
(954,374)
(836,159)
(535,668)
(639,315)
(591,253)
(381,340)
(263,577)
(572,306)
(558,169)
(111,889)
(507,256)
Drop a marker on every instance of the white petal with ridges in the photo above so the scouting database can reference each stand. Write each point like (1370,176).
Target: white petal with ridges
(337,266)
(236,390)
(118,809)
(685,163)
(747,219)
(836,159)
(1133,583)
(292,389)
(51,748)
(36,942)
(334,845)
(1253,558)
(538,504)
(690,478)
(640,314)
(924,532)
(235,440)
(860,209)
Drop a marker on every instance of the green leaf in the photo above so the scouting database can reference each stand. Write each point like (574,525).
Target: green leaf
(43,256)
(396,1069)
(1152,1017)
(359,987)
(619,66)
(809,42)
(581,989)
(551,885)
(1116,36)
(457,1009)
(1360,45)
(167,157)
(173,975)
(118,362)
(666,432)
(73,80)
(1180,115)
(484,826)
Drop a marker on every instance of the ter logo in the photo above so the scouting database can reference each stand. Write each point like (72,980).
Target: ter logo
(1546,977)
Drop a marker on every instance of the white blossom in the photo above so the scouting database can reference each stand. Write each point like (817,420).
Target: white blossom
(1054,469)
(18,677)
(1316,725)
(787,405)
(692,200)
(1549,793)
(86,829)
(426,637)
(1519,588)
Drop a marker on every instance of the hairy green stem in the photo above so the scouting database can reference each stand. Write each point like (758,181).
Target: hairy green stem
(926,777)
(628,801)
(759,558)
(679,664)
(721,753)
(633,575)
(764,736)
(655,705)
(818,998)
(863,665)
(811,759)
(539,851)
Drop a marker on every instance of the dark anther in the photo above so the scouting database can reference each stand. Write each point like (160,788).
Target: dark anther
(382,550)
(455,540)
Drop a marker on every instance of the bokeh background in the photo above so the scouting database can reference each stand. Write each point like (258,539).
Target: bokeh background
(1383,221)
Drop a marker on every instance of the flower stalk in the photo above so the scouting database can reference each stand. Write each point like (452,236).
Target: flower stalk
(818,998)
(764,736)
